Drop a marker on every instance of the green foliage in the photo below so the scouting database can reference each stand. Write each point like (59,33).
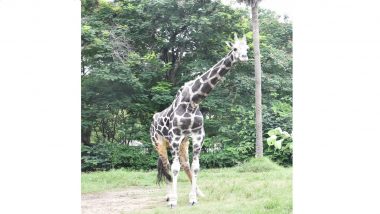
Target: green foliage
(283,109)
(105,156)
(95,157)
(280,146)
(162,95)
(137,54)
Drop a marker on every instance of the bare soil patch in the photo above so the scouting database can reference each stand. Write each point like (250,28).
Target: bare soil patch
(122,201)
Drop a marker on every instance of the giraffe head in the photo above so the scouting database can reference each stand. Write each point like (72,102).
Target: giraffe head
(239,48)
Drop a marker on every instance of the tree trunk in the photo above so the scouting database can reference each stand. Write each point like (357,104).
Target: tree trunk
(86,135)
(258,106)
(176,65)
(176,61)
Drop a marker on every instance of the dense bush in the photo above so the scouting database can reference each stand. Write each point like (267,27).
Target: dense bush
(279,147)
(96,157)
(216,152)
(105,156)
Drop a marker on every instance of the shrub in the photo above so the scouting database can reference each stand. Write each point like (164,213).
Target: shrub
(216,152)
(224,152)
(279,147)
(96,157)
(105,156)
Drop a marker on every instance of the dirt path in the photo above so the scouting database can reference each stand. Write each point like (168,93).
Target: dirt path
(118,202)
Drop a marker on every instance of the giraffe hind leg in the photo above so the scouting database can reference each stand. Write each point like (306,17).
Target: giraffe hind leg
(184,157)
(163,166)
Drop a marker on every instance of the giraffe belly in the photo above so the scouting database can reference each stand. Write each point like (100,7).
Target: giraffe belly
(188,125)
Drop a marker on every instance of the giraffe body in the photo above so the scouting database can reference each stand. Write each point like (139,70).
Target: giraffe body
(173,127)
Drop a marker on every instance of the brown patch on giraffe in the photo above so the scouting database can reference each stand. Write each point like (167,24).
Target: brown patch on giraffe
(197,123)
(227,63)
(204,76)
(181,109)
(165,131)
(177,131)
(197,98)
(223,71)
(197,84)
(206,88)
(214,80)
(214,71)
(184,157)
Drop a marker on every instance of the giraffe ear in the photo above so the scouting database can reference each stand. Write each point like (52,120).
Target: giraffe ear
(229,44)
(235,37)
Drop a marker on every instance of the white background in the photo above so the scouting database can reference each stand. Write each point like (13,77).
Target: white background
(336,106)
(40,106)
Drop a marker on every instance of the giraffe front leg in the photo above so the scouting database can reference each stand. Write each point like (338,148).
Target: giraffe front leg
(195,167)
(173,196)
(168,189)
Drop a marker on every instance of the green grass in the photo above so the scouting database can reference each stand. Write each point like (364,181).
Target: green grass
(258,186)
(116,179)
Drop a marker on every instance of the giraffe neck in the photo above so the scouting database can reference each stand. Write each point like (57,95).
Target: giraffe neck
(203,85)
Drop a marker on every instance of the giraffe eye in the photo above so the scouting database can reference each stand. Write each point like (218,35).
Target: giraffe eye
(235,49)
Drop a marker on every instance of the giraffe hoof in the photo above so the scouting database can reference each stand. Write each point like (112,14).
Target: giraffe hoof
(172,204)
(192,198)
(192,203)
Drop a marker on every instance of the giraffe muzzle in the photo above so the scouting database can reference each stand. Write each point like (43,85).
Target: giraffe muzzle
(244,58)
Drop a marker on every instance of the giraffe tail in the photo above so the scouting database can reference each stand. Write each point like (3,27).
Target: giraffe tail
(163,172)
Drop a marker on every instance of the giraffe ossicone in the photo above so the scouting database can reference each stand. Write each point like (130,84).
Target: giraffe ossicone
(172,127)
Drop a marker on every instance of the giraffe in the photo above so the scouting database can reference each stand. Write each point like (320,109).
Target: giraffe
(182,120)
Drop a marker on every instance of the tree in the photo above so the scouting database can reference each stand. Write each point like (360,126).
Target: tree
(256,48)
(256,45)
